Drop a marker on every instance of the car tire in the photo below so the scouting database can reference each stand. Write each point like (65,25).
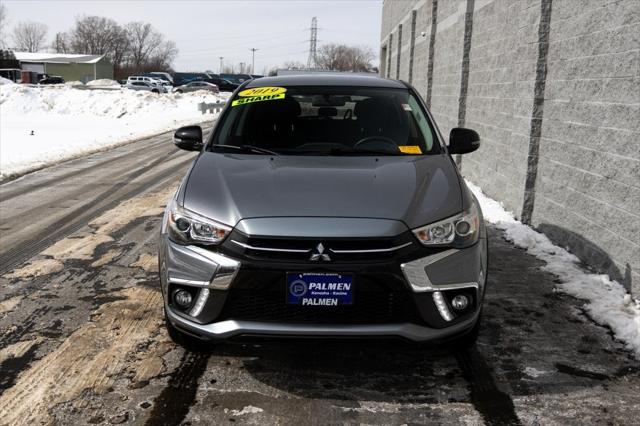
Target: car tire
(155,91)
(187,341)
(179,91)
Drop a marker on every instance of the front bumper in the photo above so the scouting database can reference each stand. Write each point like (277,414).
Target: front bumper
(218,279)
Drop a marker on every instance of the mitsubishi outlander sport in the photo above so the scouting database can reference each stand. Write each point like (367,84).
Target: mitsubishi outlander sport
(324,206)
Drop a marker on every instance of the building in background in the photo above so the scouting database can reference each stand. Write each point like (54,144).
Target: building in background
(553,88)
(71,67)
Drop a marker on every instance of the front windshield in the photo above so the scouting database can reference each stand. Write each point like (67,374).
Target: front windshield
(326,121)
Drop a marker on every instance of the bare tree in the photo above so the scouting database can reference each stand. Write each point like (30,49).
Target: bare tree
(29,36)
(340,57)
(294,65)
(61,43)
(144,41)
(137,47)
(95,35)
(4,17)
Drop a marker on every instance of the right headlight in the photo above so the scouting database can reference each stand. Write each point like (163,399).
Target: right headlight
(461,230)
(187,227)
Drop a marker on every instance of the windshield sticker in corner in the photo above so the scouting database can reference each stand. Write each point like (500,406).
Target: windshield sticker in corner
(259,94)
(410,149)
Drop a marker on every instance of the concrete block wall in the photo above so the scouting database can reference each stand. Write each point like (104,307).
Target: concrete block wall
(499,101)
(553,88)
(588,182)
(447,62)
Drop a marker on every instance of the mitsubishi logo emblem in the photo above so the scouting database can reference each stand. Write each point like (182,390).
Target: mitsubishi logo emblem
(319,254)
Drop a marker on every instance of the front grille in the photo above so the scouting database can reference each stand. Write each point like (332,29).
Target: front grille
(298,250)
(373,303)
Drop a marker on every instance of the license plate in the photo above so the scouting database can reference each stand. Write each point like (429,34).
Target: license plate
(319,289)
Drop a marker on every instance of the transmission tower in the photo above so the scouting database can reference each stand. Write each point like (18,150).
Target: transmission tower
(312,61)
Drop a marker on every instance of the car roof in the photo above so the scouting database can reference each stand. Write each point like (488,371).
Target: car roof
(337,79)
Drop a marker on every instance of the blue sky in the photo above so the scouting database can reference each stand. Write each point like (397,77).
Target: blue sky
(206,30)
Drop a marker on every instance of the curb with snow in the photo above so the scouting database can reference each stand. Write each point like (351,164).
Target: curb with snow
(607,301)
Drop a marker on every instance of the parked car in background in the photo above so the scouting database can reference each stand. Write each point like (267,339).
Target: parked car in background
(181,78)
(197,85)
(163,79)
(155,82)
(52,79)
(236,78)
(143,85)
(163,75)
(223,85)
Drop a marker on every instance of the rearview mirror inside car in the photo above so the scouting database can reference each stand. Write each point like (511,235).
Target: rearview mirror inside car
(188,138)
(463,141)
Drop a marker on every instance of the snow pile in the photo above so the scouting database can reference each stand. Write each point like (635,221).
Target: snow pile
(607,301)
(103,82)
(74,83)
(45,125)
(4,81)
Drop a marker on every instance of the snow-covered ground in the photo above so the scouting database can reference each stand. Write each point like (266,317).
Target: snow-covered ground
(45,125)
(607,302)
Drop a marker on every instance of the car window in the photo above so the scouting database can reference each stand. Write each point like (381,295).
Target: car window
(328,121)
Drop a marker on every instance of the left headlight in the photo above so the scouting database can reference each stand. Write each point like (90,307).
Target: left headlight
(461,230)
(187,227)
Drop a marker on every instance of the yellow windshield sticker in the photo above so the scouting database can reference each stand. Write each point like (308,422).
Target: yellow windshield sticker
(410,149)
(248,100)
(260,91)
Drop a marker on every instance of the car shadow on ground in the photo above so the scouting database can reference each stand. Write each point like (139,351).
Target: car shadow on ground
(392,371)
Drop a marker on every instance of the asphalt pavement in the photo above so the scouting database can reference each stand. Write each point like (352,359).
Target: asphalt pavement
(82,338)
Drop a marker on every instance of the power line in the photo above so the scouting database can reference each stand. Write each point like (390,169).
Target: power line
(231,47)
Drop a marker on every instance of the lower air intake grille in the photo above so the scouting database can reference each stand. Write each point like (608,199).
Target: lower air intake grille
(374,306)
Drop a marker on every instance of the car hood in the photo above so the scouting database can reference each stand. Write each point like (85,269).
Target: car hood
(413,189)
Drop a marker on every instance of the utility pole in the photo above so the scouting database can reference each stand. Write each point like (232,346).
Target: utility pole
(241,67)
(221,58)
(312,60)
(253,60)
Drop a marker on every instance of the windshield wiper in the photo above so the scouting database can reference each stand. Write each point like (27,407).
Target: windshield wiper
(247,148)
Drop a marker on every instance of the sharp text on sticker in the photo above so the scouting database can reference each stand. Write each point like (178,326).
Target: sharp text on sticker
(242,101)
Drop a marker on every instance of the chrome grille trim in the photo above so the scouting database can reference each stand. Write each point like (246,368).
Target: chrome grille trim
(383,250)
(247,246)
(282,250)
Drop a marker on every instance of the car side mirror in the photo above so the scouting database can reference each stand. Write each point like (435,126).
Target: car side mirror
(463,141)
(188,138)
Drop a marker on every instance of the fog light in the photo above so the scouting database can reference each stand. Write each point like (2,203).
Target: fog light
(460,302)
(182,298)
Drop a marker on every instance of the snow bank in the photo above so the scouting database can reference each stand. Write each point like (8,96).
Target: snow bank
(44,125)
(103,82)
(4,81)
(607,301)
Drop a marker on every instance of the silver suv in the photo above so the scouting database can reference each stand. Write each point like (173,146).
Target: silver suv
(324,205)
